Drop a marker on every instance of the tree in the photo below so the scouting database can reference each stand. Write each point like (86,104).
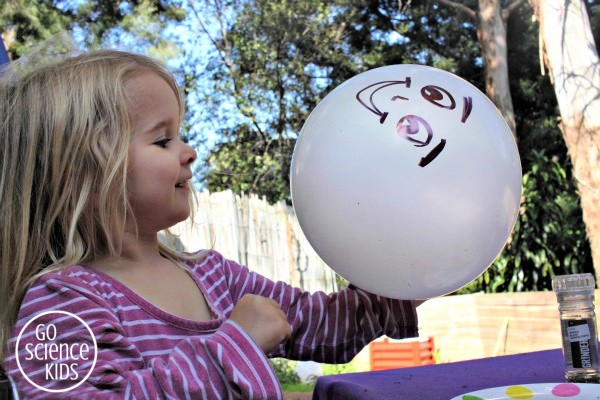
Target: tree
(491,19)
(570,53)
(23,23)
(272,62)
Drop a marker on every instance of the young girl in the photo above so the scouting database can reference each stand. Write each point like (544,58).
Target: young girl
(94,306)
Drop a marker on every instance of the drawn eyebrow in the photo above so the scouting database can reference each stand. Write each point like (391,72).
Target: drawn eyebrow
(371,106)
(467,107)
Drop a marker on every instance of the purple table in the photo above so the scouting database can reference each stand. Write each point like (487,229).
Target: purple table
(444,381)
(3,55)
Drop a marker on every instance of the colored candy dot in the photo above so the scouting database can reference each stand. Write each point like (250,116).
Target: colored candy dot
(519,392)
(470,397)
(566,390)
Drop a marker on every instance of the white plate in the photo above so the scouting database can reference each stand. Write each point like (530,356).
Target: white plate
(542,391)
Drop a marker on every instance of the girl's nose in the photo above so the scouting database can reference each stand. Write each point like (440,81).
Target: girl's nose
(188,154)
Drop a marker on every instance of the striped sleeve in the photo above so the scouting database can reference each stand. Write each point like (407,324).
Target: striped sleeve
(224,364)
(330,328)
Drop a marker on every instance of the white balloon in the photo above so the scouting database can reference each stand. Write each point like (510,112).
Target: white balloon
(406,180)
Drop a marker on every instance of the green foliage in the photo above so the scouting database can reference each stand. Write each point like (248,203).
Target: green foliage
(273,63)
(285,370)
(335,369)
(24,23)
(128,24)
(290,381)
(250,166)
(298,387)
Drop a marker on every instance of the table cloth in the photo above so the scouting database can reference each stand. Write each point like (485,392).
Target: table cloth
(444,381)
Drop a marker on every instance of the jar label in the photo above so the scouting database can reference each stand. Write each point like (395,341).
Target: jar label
(583,349)
(578,331)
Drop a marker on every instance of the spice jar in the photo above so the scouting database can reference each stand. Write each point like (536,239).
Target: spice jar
(575,295)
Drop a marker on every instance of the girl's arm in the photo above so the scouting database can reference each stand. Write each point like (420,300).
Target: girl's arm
(328,327)
(224,364)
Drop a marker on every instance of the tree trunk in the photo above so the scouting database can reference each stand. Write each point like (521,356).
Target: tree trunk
(491,32)
(570,54)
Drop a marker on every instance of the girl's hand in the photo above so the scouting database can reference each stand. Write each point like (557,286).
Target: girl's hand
(263,320)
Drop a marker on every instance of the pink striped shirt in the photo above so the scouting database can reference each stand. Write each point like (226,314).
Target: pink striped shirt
(147,353)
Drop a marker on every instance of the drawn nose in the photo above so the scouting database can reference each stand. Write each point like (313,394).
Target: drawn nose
(414,129)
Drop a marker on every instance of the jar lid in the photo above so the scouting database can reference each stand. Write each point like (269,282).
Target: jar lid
(573,282)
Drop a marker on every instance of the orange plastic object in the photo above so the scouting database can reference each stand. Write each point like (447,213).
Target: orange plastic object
(387,355)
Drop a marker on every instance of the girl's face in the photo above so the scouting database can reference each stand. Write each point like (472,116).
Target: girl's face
(159,171)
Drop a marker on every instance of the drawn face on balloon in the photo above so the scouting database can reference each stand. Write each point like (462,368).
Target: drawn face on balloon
(413,128)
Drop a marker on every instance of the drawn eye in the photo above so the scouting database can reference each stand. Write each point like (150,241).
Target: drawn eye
(438,96)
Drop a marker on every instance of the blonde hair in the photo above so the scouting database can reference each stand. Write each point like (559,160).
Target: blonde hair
(65,129)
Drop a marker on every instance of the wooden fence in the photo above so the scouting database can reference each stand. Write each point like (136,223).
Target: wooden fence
(486,325)
(266,238)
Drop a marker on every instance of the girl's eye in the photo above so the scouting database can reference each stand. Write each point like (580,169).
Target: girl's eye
(162,143)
